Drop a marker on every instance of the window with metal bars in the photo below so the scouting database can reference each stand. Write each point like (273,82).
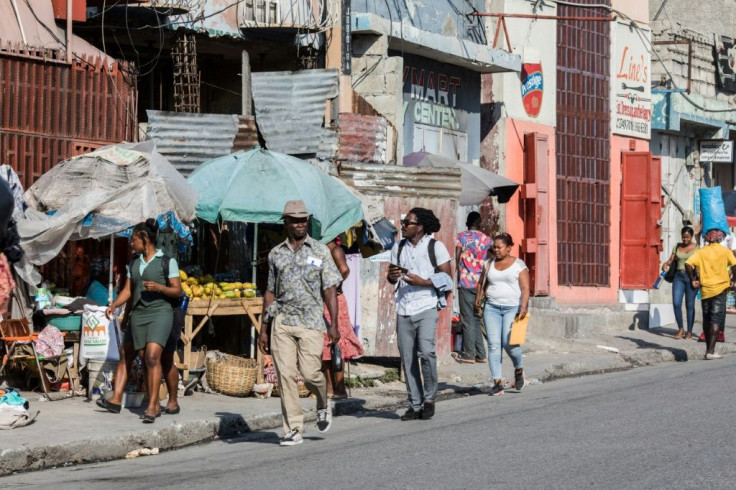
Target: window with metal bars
(583,147)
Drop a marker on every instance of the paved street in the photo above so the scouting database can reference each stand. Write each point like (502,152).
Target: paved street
(634,429)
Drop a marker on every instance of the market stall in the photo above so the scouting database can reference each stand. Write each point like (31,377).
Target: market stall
(204,309)
(99,195)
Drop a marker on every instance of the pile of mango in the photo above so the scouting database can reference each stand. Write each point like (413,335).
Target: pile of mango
(205,287)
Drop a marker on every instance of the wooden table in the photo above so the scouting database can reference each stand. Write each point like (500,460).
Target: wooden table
(252,307)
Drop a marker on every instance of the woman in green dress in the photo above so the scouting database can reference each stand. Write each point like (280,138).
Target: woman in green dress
(153,291)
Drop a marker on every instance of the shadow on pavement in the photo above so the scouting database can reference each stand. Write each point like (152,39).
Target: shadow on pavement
(679,354)
(231,423)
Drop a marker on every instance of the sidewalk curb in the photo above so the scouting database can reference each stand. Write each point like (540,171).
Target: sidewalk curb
(176,435)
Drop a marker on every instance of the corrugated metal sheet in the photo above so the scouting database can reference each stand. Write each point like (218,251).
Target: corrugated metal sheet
(52,111)
(328,145)
(290,108)
(247,136)
(362,138)
(188,139)
(400,181)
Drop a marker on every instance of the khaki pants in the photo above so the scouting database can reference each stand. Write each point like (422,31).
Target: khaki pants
(297,350)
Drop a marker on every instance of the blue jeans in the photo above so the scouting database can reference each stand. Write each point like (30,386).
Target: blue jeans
(682,287)
(498,320)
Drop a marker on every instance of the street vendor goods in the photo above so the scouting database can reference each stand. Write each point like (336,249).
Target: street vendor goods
(99,339)
(205,288)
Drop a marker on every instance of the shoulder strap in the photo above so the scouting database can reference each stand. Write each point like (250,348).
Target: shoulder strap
(130,266)
(401,248)
(165,263)
(433,254)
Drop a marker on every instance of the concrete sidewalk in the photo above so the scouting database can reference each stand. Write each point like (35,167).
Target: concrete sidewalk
(73,431)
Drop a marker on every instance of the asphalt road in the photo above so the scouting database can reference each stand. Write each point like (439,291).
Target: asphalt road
(669,426)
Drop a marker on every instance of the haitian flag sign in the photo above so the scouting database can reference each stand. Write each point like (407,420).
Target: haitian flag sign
(532,88)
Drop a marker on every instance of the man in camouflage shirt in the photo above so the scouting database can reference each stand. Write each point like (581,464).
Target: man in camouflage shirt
(301,278)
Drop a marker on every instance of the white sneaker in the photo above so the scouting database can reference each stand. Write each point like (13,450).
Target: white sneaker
(711,357)
(293,438)
(324,419)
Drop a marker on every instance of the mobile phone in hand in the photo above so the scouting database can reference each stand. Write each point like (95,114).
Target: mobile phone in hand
(402,269)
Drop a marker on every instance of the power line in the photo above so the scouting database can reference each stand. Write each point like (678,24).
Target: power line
(639,30)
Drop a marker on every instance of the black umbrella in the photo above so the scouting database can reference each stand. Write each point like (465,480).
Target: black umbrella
(477,183)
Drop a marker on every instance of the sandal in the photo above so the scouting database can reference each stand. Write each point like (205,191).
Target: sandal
(172,412)
(680,333)
(110,407)
(148,419)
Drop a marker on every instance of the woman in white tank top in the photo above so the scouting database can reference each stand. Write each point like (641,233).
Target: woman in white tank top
(505,287)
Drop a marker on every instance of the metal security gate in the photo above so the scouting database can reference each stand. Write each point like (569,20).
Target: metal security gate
(640,214)
(51,110)
(535,196)
(583,148)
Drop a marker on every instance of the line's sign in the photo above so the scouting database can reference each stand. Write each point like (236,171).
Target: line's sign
(631,82)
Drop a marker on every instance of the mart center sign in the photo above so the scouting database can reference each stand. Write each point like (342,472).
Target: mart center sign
(631,86)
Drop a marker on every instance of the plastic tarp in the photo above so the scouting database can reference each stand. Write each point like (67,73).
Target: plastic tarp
(714,212)
(101,193)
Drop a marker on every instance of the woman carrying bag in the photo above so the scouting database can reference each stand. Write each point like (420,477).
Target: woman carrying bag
(151,318)
(681,285)
(505,290)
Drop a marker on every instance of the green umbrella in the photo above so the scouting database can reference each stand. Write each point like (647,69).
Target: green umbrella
(253,187)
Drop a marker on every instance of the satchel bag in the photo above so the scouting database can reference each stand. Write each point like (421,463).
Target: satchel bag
(482,287)
(336,355)
(669,276)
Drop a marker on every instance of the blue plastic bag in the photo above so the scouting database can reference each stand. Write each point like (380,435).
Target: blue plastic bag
(714,213)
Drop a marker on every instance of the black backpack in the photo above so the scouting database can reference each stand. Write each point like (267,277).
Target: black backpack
(430,249)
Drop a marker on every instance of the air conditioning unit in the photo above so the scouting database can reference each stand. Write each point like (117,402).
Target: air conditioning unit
(261,13)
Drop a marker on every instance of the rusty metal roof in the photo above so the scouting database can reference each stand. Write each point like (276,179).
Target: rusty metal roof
(247,136)
(400,181)
(362,138)
(290,108)
(188,139)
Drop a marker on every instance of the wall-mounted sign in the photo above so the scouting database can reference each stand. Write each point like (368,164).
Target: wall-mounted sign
(726,62)
(532,88)
(441,108)
(631,82)
(716,151)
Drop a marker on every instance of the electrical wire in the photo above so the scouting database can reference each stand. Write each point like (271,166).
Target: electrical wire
(83,61)
(647,41)
(220,88)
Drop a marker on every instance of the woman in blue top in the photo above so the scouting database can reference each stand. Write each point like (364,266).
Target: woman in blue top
(152,296)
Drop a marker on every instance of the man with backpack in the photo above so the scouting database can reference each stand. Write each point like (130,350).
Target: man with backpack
(414,261)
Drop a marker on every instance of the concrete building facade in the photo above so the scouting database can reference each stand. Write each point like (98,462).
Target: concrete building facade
(694,101)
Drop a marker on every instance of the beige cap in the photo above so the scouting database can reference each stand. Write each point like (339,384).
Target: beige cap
(295,209)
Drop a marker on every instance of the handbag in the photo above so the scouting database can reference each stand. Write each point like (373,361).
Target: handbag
(336,355)
(482,286)
(669,276)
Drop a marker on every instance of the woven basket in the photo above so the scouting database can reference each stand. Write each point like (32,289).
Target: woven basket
(303,390)
(232,375)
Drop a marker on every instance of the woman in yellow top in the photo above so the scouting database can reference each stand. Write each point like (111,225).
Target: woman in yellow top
(711,269)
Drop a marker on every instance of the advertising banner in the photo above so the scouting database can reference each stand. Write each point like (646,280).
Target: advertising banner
(631,81)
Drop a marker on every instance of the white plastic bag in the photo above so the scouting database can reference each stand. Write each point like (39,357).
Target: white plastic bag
(99,336)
